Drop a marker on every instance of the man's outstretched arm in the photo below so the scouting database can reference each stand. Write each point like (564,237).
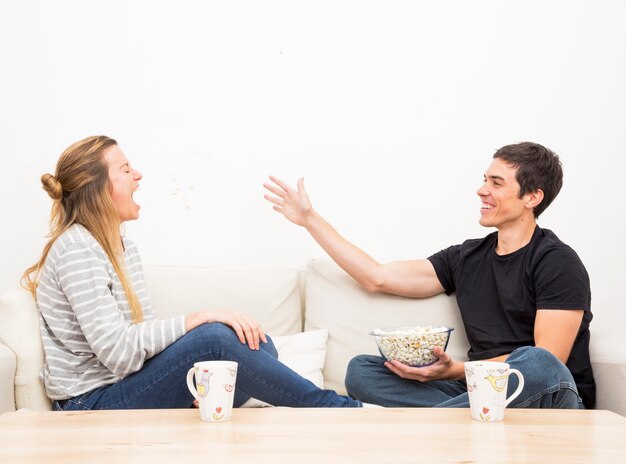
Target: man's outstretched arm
(415,278)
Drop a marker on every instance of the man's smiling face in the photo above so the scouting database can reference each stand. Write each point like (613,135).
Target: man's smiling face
(501,204)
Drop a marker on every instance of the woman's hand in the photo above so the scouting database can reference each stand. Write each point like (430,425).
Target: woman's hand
(444,369)
(247,329)
(293,204)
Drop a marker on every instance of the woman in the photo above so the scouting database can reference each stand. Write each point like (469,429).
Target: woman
(103,347)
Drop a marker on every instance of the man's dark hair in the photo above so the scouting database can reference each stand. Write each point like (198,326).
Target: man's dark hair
(537,168)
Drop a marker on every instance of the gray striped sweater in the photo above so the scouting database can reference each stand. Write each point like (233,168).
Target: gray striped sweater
(88,336)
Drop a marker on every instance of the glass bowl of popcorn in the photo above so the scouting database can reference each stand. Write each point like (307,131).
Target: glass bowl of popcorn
(412,346)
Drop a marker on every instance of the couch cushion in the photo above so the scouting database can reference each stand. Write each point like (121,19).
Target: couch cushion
(336,302)
(304,353)
(19,330)
(271,296)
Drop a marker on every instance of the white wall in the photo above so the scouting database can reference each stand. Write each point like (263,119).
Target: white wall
(391,111)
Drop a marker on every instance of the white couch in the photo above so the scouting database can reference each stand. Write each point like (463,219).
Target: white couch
(322,301)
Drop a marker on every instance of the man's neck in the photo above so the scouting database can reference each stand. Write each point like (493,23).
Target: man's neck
(513,237)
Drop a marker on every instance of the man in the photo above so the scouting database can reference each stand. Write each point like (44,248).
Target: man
(524,295)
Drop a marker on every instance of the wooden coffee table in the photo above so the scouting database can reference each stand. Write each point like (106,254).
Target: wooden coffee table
(298,436)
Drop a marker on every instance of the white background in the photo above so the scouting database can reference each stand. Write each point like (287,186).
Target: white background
(390,110)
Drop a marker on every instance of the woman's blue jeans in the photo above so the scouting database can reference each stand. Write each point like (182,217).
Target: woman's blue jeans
(162,381)
(548,383)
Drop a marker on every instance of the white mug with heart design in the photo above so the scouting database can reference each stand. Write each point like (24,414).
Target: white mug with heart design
(487,384)
(214,388)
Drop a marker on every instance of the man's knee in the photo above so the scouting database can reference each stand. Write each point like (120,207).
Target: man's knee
(547,381)
(358,371)
(538,362)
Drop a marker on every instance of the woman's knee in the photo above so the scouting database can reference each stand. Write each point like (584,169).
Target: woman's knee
(269,347)
(224,339)
(212,329)
(214,334)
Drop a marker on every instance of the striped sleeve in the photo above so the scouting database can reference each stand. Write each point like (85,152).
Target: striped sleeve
(121,346)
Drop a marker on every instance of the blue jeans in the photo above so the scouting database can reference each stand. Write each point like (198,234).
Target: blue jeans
(161,382)
(548,383)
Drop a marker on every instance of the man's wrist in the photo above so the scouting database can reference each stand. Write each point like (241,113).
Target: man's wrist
(459,370)
(311,220)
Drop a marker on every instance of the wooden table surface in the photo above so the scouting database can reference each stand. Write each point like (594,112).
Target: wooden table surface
(298,436)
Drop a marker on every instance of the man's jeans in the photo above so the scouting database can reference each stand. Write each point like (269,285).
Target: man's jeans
(162,381)
(548,383)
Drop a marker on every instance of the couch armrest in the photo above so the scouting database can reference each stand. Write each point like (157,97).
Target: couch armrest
(8,365)
(608,360)
(610,376)
(19,331)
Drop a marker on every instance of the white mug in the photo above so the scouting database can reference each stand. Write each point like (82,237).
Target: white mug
(487,384)
(214,389)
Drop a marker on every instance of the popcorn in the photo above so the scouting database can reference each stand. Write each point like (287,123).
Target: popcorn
(412,345)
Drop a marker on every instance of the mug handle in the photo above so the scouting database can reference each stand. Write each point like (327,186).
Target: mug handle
(190,385)
(520,386)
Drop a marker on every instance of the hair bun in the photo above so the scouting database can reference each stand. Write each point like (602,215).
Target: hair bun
(52,186)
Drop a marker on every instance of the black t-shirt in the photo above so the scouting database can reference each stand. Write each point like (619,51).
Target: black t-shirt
(499,296)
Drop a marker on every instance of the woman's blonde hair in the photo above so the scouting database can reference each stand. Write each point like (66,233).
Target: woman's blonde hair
(81,195)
